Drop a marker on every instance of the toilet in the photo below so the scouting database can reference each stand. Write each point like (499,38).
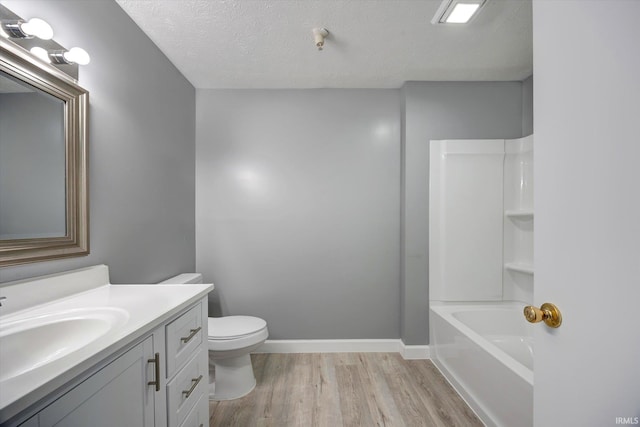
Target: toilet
(231,340)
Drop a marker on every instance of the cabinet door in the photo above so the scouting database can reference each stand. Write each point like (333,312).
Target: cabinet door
(116,395)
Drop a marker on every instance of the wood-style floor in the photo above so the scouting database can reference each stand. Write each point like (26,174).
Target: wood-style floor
(344,389)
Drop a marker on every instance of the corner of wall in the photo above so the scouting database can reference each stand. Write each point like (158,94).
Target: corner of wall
(403,111)
(527,106)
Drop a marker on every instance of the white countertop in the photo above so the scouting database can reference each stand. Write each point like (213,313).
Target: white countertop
(147,307)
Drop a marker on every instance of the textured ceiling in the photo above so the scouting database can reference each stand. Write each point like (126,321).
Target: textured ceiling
(372,43)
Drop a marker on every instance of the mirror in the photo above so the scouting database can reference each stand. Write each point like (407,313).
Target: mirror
(43,161)
(31,133)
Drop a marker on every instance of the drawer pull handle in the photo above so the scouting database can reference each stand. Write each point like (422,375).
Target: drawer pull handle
(195,382)
(156,362)
(191,335)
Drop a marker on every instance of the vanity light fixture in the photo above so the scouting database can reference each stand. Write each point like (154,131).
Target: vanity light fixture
(34,27)
(75,55)
(36,36)
(457,11)
(41,53)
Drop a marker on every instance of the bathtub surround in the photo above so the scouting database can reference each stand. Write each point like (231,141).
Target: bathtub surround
(441,110)
(481,220)
(141,146)
(518,221)
(481,273)
(466,220)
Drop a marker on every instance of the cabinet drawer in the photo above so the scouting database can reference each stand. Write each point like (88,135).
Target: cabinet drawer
(199,415)
(184,335)
(184,390)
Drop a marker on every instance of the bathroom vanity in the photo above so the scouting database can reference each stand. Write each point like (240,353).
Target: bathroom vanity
(78,351)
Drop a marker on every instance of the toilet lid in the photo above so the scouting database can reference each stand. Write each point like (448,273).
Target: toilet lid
(229,327)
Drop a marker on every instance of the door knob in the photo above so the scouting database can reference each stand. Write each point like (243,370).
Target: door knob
(547,313)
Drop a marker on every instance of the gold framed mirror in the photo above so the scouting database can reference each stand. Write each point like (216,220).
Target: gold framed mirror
(44,206)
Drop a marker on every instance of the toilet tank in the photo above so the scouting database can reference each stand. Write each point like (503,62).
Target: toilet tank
(183,278)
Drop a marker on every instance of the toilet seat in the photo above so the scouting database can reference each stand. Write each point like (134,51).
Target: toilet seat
(235,332)
(231,327)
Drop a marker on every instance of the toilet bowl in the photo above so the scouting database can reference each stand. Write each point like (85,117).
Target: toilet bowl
(230,341)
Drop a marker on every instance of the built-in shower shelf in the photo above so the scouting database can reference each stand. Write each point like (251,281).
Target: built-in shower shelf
(520,267)
(520,213)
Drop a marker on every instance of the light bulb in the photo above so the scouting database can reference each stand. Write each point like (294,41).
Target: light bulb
(462,13)
(38,28)
(41,53)
(77,55)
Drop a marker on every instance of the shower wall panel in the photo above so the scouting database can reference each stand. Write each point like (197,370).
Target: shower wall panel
(466,212)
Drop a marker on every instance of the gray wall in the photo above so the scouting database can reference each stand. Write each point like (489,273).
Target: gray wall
(527,106)
(298,199)
(441,110)
(141,145)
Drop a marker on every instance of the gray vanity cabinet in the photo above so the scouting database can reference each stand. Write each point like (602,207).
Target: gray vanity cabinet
(116,395)
(124,391)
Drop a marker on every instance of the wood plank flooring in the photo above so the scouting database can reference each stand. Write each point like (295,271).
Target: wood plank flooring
(344,389)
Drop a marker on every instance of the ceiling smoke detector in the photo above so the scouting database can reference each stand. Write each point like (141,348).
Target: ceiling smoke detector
(319,34)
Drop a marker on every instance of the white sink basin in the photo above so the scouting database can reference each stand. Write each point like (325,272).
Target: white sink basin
(29,343)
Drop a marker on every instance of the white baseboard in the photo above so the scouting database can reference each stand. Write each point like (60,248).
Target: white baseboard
(414,352)
(345,346)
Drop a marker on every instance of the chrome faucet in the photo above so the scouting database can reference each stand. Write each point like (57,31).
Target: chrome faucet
(2,298)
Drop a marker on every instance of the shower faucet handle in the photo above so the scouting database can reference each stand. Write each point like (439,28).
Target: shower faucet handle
(547,313)
(1,299)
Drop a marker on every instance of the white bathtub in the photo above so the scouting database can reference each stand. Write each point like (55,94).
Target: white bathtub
(486,352)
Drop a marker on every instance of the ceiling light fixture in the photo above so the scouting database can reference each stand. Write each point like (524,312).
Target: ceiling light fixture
(457,11)
(34,27)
